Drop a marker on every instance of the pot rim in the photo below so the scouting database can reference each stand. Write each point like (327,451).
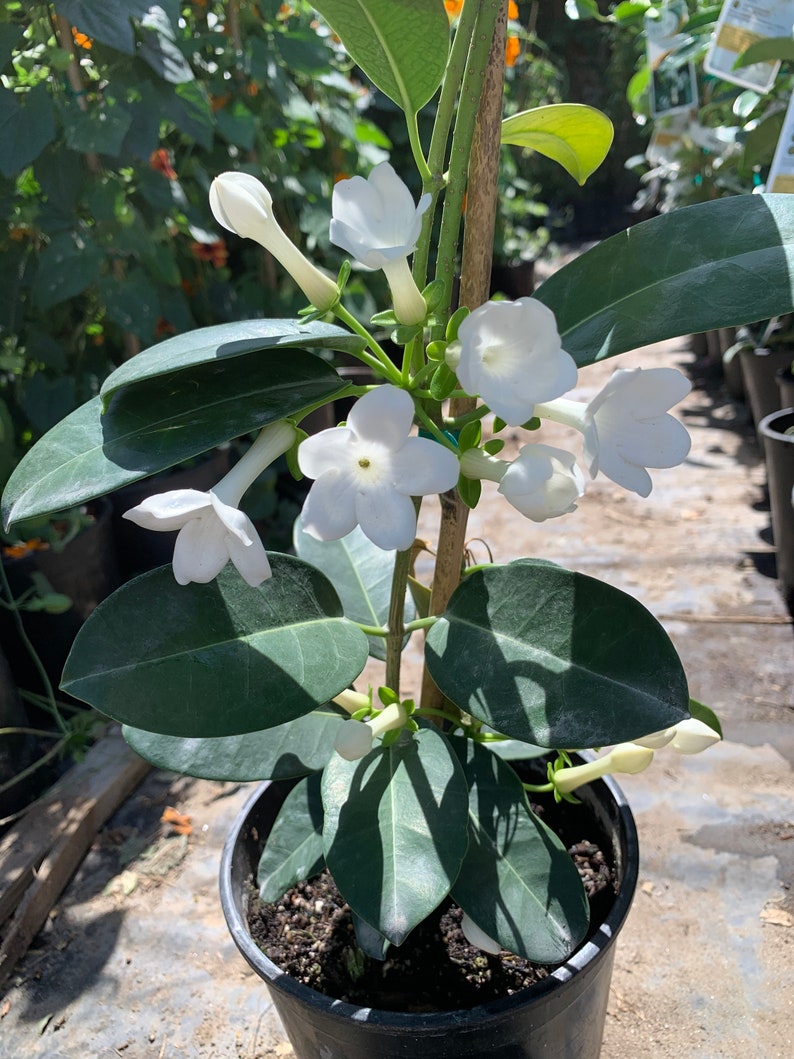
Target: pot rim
(767,428)
(588,953)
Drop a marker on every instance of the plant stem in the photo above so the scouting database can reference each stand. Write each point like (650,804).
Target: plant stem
(396,620)
(483,171)
(381,361)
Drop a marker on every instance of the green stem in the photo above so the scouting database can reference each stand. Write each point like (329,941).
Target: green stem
(474,77)
(52,706)
(538,788)
(396,620)
(458,422)
(416,147)
(381,362)
(433,429)
(421,623)
(37,764)
(30,731)
(427,711)
(373,630)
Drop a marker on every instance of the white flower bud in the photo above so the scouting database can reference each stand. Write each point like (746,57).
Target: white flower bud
(478,938)
(693,736)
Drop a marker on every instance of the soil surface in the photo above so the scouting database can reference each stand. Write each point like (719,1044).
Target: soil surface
(136,962)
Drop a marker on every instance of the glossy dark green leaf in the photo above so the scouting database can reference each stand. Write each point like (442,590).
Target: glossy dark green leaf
(67,266)
(293,749)
(27,125)
(294,848)
(161,422)
(218,659)
(361,573)
(517,881)
(207,345)
(396,830)
(100,130)
(158,47)
(401,47)
(555,658)
(717,264)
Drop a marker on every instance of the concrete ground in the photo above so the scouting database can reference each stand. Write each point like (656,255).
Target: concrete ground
(136,962)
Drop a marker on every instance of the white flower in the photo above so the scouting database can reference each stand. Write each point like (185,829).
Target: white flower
(376,222)
(656,740)
(512,356)
(542,482)
(368,470)
(626,427)
(477,937)
(212,530)
(354,738)
(242,204)
(693,736)
(628,758)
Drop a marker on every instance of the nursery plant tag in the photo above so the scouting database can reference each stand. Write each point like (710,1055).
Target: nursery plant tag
(781,173)
(742,23)
(665,141)
(673,84)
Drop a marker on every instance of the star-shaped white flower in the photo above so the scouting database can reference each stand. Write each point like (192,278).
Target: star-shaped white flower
(212,531)
(210,534)
(367,471)
(626,426)
(377,222)
(511,355)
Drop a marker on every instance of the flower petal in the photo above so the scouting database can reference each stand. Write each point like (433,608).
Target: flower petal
(329,511)
(200,552)
(169,511)
(251,560)
(422,466)
(388,518)
(329,450)
(384,415)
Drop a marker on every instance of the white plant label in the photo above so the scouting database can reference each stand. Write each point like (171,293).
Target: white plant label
(673,85)
(781,173)
(742,23)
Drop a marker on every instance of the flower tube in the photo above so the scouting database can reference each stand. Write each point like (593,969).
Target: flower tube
(354,738)
(367,471)
(542,482)
(629,758)
(626,427)
(377,223)
(242,204)
(511,355)
(212,531)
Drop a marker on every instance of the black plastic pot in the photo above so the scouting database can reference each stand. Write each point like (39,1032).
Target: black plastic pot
(760,367)
(779,449)
(785,386)
(561,1017)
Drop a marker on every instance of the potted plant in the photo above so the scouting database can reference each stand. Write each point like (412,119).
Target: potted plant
(241,664)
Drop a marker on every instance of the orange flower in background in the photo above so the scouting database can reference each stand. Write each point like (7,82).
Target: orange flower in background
(453,7)
(512,51)
(163,327)
(512,9)
(81,40)
(19,551)
(219,102)
(161,161)
(216,252)
(180,822)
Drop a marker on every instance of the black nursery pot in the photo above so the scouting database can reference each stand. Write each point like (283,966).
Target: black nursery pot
(562,1017)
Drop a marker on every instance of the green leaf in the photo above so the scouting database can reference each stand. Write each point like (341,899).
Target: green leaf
(106,20)
(62,176)
(555,658)
(470,491)
(717,264)
(704,713)
(293,749)
(208,345)
(761,141)
(401,47)
(294,848)
(581,10)
(237,125)
(361,573)
(575,135)
(396,830)
(10,35)
(66,267)
(218,659)
(99,130)
(159,49)
(770,49)
(188,108)
(442,383)
(160,422)
(504,881)
(133,304)
(27,125)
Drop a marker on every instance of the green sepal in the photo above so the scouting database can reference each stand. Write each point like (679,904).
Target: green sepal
(494,446)
(405,333)
(386,318)
(442,383)
(436,350)
(470,491)
(433,293)
(470,435)
(455,321)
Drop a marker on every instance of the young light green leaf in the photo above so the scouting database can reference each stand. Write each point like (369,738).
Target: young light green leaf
(402,47)
(770,49)
(219,659)
(294,848)
(717,264)
(293,749)
(555,658)
(573,134)
(396,830)
(504,879)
